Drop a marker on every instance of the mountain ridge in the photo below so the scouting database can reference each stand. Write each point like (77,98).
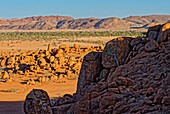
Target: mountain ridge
(67,22)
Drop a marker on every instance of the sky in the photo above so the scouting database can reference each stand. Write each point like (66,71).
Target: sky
(83,8)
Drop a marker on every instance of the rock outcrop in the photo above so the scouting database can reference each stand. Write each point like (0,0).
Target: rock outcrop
(130,76)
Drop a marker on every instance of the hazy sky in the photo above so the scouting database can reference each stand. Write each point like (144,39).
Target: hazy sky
(83,8)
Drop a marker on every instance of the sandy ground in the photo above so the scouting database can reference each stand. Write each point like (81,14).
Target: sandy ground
(54,89)
(11,107)
(12,102)
(36,45)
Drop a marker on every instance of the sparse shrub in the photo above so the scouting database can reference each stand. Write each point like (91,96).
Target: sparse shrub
(12,90)
(44,44)
(19,50)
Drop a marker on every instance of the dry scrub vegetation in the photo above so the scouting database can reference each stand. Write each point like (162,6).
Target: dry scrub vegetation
(65,34)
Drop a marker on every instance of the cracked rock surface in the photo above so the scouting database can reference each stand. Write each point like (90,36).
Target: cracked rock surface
(140,84)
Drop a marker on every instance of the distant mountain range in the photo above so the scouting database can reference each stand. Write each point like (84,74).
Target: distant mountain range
(66,22)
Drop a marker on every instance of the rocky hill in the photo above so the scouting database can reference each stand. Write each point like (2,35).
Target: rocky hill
(65,22)
(130,76)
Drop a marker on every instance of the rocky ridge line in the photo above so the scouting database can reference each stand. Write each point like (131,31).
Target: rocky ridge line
(139,84)
(66,22)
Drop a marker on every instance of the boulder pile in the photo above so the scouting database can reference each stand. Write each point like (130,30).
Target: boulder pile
(44,65)
(131,76)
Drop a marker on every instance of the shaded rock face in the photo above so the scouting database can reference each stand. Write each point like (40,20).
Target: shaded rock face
(37,102)
(115,52)
(140,84)
(90,70)
(159,32)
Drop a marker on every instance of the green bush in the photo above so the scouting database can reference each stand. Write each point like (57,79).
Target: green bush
(66,34)
(13,90)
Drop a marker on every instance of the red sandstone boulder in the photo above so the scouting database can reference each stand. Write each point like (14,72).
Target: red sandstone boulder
(115,52)
(164,32)
(151,46)
(153,31)
(91,67)
(37,102)
(152,35)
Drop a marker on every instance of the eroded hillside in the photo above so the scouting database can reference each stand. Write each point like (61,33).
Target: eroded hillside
(65,22)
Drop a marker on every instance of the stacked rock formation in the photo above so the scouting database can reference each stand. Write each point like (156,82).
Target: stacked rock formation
(131,76)
(45,64)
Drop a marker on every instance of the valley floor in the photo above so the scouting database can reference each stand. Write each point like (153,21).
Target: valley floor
(14,93)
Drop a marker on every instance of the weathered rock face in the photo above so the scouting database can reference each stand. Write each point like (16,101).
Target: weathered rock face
(164,32)
(90,70)
(151,46)
(153,31)
(159,32)
(115,52)
(37,102)
(140,84)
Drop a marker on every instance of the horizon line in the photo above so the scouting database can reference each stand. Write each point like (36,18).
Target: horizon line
(83,17)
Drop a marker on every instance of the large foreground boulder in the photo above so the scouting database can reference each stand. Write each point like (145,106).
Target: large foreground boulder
(130,76)
(37,102)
